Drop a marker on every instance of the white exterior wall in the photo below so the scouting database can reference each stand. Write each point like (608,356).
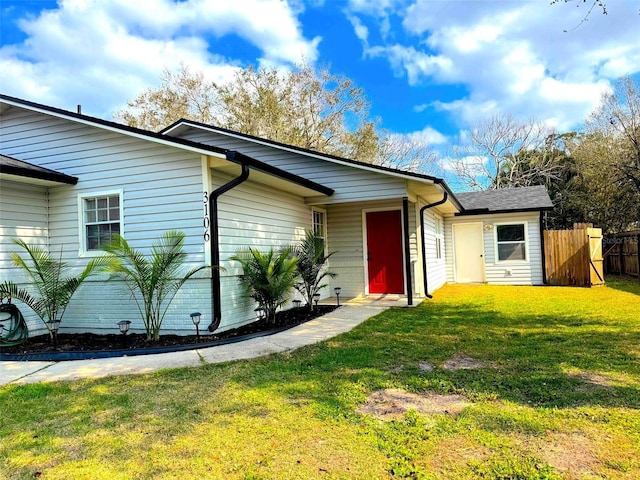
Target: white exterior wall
(436,268)
(162,190)
(527,272)
(349,183)
(256,216)
(23,214)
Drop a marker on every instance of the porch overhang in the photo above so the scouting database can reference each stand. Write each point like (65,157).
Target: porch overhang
(20,171)
(431,193)
(268,175)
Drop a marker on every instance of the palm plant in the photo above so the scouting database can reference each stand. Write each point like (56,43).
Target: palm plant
(50,278)
(267,277)
(311,266)
(154,280)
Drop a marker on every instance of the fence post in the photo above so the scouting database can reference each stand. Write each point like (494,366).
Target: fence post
(638,253)
(621,254)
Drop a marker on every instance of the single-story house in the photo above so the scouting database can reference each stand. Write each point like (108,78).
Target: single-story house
(68,181)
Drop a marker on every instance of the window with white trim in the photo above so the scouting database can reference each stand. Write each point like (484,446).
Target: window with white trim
(319,223)
(101,219)
(439,236)
(511,242)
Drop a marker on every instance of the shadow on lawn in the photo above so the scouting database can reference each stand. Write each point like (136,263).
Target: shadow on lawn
(538,360)
(534,360)
(625,283)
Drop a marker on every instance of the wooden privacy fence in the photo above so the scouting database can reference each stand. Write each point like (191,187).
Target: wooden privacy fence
(621,253)
(574,257)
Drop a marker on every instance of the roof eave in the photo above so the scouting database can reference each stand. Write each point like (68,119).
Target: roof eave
(332,158)
(486,211)
(113,126)
(240,158)
(50,176)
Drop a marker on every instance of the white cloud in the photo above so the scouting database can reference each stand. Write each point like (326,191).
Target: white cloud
(515,57)
(102,53)
(360,29)
(414,63)
(430,135)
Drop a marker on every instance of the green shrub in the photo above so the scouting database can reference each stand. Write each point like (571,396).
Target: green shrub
(267,277)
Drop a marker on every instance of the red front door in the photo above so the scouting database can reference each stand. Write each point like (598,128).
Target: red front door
(384,252)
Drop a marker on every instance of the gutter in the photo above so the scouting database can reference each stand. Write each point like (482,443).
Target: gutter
(424,259)
(215,241)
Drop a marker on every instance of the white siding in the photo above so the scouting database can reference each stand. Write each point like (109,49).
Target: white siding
(162,190)
(257,216)
(436,268)
(349,183)
(527,272)
(23,214)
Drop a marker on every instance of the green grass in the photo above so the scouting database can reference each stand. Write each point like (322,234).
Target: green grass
(559,398)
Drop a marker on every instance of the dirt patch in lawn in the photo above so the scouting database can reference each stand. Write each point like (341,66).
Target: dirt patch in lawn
(90,342)
(593,378)
(572,454)
(393,403)
(454,453)
(460,361)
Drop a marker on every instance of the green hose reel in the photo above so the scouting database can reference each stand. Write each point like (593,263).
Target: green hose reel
(13,328)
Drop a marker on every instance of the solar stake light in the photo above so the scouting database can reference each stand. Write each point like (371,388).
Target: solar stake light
(195,318)
(54,325)
(260,313)
(316,298)
(123,325)
(337,290)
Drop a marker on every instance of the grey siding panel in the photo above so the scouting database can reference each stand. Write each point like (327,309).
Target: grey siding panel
(506,273)
(162,190)
(350,184)
(256,216)
(23,214)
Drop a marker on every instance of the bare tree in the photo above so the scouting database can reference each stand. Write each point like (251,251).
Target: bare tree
(407,152)
(493,155)
(617,120)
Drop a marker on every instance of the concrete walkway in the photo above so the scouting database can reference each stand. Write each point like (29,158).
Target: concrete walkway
(341,320)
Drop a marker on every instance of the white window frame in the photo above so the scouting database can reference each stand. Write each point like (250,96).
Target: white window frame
(526,242)
(82,236)
(322,211)
(438,235)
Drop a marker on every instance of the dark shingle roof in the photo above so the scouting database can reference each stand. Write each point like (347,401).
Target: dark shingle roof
(13,166)
(506,200)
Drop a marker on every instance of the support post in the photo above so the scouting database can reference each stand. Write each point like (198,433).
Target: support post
(407,250)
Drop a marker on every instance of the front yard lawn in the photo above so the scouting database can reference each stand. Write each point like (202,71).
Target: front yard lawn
(551,377)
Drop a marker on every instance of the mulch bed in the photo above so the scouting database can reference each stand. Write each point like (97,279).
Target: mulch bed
(90,342)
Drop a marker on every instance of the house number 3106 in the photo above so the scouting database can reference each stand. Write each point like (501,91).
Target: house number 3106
(206,222)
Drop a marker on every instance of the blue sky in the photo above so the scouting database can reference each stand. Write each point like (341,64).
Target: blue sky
(430,68)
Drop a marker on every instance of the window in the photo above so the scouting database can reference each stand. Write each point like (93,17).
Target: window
(439,236)
(101,218)
(319,223)
(511,242)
